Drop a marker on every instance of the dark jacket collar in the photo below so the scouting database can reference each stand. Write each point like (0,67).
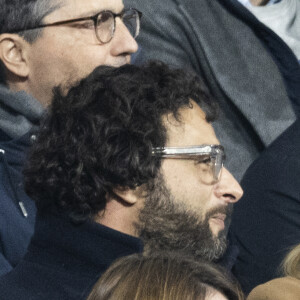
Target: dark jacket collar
(16,149)
(13,152)
(86,248)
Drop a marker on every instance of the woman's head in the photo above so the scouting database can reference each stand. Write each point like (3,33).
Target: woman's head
(291,264)
(164,277)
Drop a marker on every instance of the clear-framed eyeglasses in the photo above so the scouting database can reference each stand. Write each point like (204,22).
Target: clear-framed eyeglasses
(104,23)
(209,159)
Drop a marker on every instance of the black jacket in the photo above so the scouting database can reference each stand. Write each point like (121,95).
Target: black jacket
(65,260)
(266,221)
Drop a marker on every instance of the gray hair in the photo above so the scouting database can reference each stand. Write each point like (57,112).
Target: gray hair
(16,15)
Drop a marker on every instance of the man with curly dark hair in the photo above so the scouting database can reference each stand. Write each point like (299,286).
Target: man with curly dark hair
(128,153)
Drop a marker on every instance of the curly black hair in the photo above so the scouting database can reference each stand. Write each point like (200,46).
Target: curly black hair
(100,135)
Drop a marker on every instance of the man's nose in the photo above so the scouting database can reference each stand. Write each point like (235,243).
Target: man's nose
(228,189)
(123,42)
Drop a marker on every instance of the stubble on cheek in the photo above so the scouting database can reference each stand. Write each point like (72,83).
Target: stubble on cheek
(164,225)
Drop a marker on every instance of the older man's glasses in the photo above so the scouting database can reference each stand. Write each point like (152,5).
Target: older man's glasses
(209,159)
(104,23)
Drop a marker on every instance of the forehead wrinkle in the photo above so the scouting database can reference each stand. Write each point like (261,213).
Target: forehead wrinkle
(96,11)
(75,12)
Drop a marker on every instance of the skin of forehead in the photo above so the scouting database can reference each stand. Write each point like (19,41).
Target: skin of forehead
(69,9)
(192,130)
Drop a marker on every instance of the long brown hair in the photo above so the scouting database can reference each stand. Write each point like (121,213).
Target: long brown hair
(291,263)
(163,277)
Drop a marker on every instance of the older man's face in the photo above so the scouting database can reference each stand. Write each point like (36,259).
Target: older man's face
(66,53)
(183,212)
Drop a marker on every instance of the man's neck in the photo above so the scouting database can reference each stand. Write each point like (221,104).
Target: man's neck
(17,86)
(118,217)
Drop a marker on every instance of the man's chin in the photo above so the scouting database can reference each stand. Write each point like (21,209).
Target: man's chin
(165,226)
(216,226)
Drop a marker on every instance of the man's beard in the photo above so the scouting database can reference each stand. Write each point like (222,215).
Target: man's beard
(165,225)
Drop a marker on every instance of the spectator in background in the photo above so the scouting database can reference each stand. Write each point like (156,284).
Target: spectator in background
(37,52)
(272,181)
(127,154)
(282,16)
(250,72)
(164,277)
(285,288)
(266,222)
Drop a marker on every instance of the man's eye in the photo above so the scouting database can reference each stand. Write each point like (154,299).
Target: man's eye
(84,25)
(204,160)
(105,17)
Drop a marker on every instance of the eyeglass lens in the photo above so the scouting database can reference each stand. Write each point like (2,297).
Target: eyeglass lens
(132,22)
(106,24)
(210,169)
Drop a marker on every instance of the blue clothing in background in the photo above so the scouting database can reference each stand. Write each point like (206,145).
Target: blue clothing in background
(19,117)
(17,210)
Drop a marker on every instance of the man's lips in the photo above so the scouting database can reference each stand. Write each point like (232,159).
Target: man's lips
(219,219)
(219,216)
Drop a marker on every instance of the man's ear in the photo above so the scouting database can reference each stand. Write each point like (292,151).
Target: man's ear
(127,195)
(13,54)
